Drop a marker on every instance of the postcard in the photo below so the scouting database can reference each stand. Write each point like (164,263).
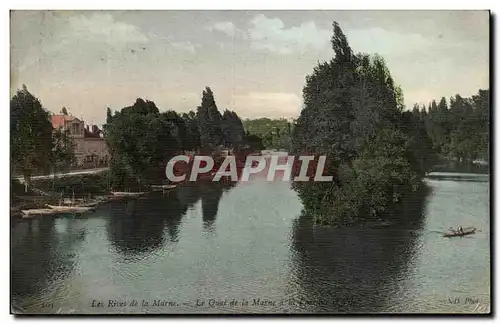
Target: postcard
(250,162)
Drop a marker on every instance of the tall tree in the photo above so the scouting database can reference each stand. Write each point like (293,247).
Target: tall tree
(232,128)
(192,141)
(109,115)
(209,119)
(31,135)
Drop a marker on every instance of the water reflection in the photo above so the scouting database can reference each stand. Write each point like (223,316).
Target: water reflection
(43,254)
(210,198)
(144,225)
(355,269)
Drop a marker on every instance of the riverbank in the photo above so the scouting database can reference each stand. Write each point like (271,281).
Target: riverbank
(456,167)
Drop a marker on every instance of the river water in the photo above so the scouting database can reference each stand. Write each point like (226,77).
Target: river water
(210,248)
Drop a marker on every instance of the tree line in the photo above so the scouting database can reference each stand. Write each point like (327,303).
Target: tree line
(141,139)
(275,133)
(459,127)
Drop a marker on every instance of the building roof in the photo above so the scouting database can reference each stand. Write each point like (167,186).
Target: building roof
(58,120)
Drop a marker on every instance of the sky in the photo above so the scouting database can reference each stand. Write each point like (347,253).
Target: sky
(254,61)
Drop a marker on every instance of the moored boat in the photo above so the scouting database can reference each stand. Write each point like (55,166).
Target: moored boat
(465,231)
(91,204)
(126,194)
(28,213)
(162,187)
(80,203)
(39,211)
(105,199)
(70,209)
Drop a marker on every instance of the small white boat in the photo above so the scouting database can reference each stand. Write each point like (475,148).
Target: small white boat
(79,203)
(163,187)
(27,213)
(126,194)
(89,204)
(70,209)
(102,199)
(68,201)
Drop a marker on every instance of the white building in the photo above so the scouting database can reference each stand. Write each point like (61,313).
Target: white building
(90,147)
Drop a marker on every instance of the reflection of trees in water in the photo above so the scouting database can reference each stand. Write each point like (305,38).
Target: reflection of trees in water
(139,226)
(41,255)
(210,199)
(356,269)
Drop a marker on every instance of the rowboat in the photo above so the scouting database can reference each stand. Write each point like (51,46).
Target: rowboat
(126,194)
(466,231)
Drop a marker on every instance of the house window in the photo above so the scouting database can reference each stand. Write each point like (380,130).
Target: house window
(75,129)
(91,158)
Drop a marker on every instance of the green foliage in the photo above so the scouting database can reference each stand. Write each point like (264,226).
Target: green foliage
(275,133)
(141,140)
(192,140)
(63,151)
(353,114)
(81,185)
(33,144)
(254,142)
(459,132)
(232,129)
(210,122)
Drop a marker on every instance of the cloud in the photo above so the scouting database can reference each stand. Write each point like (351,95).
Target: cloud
(102,27)
(82,39)
(186,46)
(227,28)
(268,104)
(386,42)
(270,34)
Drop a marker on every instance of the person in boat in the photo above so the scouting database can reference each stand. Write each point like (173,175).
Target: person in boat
(460,230)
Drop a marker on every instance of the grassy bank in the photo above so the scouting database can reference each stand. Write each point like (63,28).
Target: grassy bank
(79,185)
